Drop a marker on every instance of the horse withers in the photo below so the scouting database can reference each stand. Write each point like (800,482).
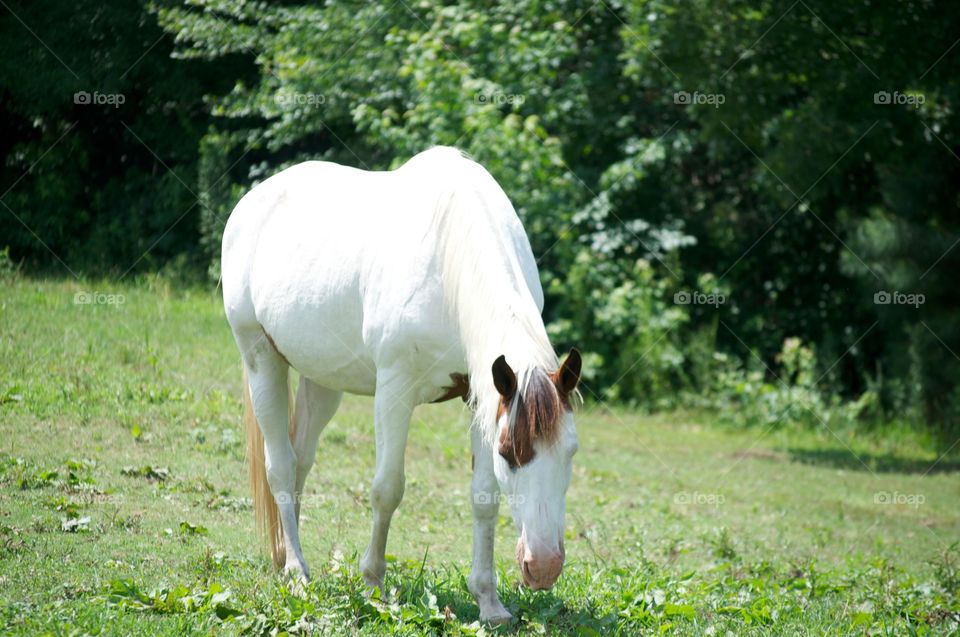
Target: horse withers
(412,285)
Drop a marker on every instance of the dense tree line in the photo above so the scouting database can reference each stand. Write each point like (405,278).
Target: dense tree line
(753,203)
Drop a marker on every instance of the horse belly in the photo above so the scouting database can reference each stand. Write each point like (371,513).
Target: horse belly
(326,347)
(309,305)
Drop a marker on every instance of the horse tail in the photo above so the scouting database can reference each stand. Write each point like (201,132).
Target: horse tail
(264,506)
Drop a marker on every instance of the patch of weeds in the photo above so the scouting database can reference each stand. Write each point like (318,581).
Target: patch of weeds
(156,394)
(188,529)
(645,600)
(11,394)
(722,546)
(136,432)
(76,476)
(197,485)
(414,602)
(11,540)
(221,440)
(223,501)
(154,474)
(26,475)
(81,466)
(125,593)
(75,525)
(80,476)
(421,602)
(946,569)
(212,564)
(421,611)
(42,525)
(62,505)
(129,524)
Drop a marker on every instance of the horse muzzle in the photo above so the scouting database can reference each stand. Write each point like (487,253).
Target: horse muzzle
(539,569)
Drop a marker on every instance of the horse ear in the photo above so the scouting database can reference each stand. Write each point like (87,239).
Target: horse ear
(569,375)
(503,378)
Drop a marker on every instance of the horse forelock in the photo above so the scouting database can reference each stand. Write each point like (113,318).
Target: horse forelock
(534,413)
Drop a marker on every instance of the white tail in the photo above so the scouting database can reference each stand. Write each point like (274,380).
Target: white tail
(264,506)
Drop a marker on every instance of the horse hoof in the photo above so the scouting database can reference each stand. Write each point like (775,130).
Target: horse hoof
(373,585)
(497,619)
(297,579)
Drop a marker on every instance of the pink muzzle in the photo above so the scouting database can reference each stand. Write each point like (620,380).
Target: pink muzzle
(539,570)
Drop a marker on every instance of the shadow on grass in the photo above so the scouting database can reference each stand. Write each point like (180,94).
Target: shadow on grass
(845,459)
(544,607)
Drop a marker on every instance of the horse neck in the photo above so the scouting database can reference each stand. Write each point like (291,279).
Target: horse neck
(512,328)
(485,262)
(496,312)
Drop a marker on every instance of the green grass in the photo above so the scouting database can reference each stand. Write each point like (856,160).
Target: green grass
(123,510)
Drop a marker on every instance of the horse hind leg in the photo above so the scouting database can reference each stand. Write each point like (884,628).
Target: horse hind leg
(315,406)
(272,457)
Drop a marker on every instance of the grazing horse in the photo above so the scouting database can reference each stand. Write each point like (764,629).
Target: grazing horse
(414,285)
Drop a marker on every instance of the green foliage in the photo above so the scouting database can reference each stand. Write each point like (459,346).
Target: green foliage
(8,269)
(806,191)
(743,395)
(158,474)
(125,593)
(431,75)
(628,328)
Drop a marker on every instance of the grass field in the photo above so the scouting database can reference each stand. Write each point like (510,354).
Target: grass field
(123,504)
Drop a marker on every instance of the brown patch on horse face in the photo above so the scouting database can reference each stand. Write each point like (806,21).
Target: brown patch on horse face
(459,388)
(538,411)
(536,416)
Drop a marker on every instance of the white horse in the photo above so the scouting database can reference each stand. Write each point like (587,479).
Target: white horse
(414,285)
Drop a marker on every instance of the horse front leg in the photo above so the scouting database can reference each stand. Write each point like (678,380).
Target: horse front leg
(486,504)
(393,406)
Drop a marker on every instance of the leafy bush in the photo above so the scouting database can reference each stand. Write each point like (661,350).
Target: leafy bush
(627,327)
(755,395)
